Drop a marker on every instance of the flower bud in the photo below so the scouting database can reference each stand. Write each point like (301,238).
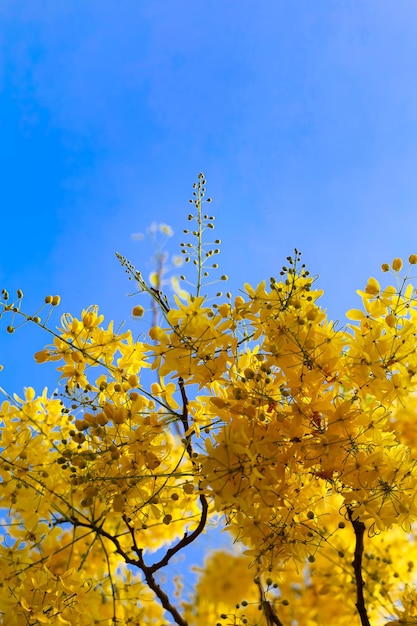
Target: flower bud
(397,264)
(155,333)
(42,356)
(119,415)
(312,314)
(133,380)
(101,418)
(89,319)
(76,356)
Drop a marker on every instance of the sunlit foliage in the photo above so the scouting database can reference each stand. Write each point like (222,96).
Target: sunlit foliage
(254,414)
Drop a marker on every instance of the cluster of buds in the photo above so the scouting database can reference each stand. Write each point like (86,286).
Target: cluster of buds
(397,264)
(198,252)
(13,307)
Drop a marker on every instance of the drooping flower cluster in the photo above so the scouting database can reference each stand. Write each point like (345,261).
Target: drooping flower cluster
(312,411)
(257,413)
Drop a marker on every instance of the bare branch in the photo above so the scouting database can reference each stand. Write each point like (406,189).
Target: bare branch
(187,539)
(140,564)
(161,595)
(359,529)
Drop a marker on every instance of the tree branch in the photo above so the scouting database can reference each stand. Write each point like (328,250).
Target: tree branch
(187,539)
(272,618)
(140,564)
(359,529)
(160,594)
(184,416)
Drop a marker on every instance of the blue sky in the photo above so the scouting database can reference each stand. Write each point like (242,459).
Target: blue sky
(302,115)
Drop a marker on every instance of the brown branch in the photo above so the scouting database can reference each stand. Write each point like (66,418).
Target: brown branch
(359,529)
(161,595)
(187,539)
(140,564)
(103,533)
(149,570)
(272,618)
(184,416)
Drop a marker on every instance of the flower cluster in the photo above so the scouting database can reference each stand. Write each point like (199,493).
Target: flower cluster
(257,412)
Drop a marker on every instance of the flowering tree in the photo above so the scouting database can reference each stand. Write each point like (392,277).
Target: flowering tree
(265,419)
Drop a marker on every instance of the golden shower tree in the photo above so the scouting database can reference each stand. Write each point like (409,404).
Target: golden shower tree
(263,418)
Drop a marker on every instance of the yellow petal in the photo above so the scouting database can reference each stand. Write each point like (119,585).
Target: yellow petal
(355,314)
(372,287)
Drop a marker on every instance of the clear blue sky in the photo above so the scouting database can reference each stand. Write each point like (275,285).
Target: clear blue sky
(302,115)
